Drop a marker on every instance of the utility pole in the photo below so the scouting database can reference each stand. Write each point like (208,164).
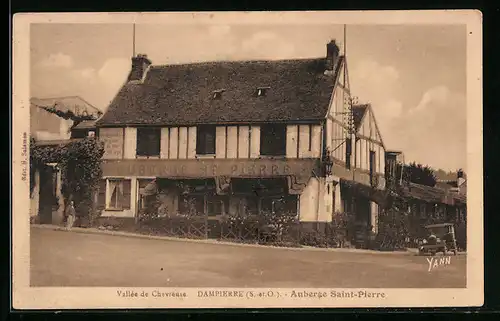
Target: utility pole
(133,40)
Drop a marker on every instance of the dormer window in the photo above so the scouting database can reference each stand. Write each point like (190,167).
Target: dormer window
(261,91)
(217,94)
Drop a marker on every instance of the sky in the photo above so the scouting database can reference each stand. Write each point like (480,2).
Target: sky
(414,76)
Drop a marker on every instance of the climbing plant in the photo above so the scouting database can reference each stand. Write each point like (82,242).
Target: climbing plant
(80,165)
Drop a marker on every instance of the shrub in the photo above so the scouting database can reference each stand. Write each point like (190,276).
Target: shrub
(313,238)
(276,226)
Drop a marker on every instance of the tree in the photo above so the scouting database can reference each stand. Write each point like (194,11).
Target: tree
(420,174)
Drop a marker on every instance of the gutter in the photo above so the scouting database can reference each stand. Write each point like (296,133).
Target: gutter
(242,123)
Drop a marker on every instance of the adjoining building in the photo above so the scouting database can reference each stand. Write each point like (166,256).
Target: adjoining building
(241,136)
(51,124)
(443,203)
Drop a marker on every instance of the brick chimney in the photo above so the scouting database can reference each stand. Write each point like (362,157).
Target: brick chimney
(332,55)
(460,177)
(140,64)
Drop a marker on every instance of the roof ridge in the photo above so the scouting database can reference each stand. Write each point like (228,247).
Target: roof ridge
(201,63)
(58,97)
(64,97)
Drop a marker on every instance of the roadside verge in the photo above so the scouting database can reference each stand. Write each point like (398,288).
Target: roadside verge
(212,241)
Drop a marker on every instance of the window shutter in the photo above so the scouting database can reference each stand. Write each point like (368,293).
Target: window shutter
(101,196)
(126,199)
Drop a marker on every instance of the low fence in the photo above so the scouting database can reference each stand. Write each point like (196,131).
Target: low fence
(238,229)
(286,230)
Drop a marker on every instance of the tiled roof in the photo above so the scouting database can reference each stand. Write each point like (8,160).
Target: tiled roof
(358,111)
(183,94)
(86,124)
(446,185)
(433,194)
(75,104)
(55,142)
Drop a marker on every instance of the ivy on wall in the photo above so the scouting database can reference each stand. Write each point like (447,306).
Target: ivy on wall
(68,114)
(80,165)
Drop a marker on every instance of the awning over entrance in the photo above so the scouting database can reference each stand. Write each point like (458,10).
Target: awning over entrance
(225,185)
(150,189)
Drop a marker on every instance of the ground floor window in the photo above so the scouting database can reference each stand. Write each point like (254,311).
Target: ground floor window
(246,204)
(194,204)
(118,194)
(198,197)
(284,204)
(142,199)
(217,205)
(190,204)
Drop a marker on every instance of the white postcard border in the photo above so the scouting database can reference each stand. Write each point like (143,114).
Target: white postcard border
(26,297)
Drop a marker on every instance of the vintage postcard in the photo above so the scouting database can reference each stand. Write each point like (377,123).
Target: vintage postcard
(247,160)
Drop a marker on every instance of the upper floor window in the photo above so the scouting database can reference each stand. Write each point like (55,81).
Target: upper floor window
(273,140)
(373,167)
(205,140)
(148,142)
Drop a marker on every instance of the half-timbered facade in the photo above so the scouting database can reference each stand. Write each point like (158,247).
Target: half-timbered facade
(245,135)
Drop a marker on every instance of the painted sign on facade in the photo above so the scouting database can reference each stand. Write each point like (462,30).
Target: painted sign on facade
(113,142)
(210,168)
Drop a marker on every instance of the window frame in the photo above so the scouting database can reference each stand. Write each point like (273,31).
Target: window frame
(223,202)
(270,130)
(140,202)
(148,146)
(348,152)
(185,198)
(102,194)
(275,201)
(202,131)
(372,163)
(109,194)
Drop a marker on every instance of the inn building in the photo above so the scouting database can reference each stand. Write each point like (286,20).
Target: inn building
(239,136)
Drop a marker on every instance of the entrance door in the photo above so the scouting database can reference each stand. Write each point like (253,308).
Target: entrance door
(46,199)
(363,211)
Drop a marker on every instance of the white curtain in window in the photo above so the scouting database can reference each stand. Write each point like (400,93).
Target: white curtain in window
(116,189)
